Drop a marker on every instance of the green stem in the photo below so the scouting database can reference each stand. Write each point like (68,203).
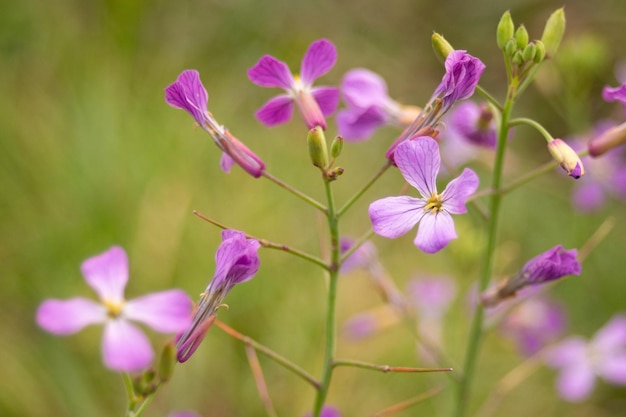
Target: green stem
(329,348)
(386,368)
(146,402)
(295,191)
(531,123)
(489,97)
(477,323)
(366,187)
(130,393)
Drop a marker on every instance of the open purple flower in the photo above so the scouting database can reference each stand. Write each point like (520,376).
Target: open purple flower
(189,94)
(236,261)
(580,361)
(419,162)
(432,296)
(314,102)
(474,123)
(369,106)
(125,347)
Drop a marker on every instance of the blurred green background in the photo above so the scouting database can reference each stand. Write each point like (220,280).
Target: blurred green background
(91,156)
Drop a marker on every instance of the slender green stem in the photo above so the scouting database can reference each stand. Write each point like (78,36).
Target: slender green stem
(359,242)
(491,99)
(130,393)
(531,123)
(295,191)
(386,368)
(396,408)
(279,359)
(528,78)
(366,187)
(268,244)
(146,402)
(477,323)
(331,331)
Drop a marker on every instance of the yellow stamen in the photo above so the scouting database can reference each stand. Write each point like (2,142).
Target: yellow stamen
(434,203)
(114,309)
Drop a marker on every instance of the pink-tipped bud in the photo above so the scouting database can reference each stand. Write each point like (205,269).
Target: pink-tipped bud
(567,158)
(608,140)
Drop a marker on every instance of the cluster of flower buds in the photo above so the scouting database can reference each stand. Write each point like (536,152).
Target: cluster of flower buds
(318,151)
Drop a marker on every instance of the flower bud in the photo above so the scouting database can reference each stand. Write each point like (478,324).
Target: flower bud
(167,362)
(518,59)
(441,46)
(540,51)
(505,30)
(336,147)
(317,147)
(608,140)
(529,52)
(553,32)
(521,37)
(567,158)
(510,48)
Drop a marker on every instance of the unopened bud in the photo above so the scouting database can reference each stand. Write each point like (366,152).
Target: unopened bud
(540,51)
(441,46)
(167,362)
(505,30)
(608,140)
(336,147)
(510,48)
(317,147)
(521,37)
(553,32)
(518,58)
(567,158)
(529,52)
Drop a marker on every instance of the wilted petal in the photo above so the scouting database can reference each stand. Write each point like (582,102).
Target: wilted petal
(418,160)
(69,316)
(236,259)
(125,347)
(458,190)
(363,88)
(357,124)
(394,216)
(107,274)
(276,110)
(166,311)
(270,72)
(327,99)
(463,72)
(435,232)
(189,94)
(318,60)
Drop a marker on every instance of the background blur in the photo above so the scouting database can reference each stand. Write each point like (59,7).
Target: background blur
(91,156)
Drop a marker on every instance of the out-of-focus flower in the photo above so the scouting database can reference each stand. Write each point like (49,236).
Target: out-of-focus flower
(533,324)
(580,361)
(431,296)
(370,322)
(362,258)
(314,102)
(615,94)
(327,411)
(236,261)
(418,160)
(369,106)
(189,94)
(547,266)
(124,346)
(474,123)
(463,72)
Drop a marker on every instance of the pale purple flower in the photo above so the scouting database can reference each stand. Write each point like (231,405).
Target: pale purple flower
(533,324)
(364,257)
(473,123)
(369,106)
(184,414)
(552,264)
(432,296)
(124,346)
(313,102)
(419,161)
(189,94)
(463,72)
(370,322)
(327,411)
(580,361)
(615,94)
(236,261)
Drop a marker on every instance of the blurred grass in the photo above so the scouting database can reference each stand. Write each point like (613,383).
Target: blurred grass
(91,156)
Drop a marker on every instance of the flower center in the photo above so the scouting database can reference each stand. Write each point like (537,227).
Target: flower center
(114,308)
(434,203)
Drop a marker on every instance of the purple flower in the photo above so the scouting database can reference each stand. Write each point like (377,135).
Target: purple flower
(419,161)
(432,296)
(236,261)
(189,94)
(314,102)
(124,346)
(369,106)
(547,266)
(533,324)
(580,361)
(327,411)
(364,257)
(615,94)
(473,123)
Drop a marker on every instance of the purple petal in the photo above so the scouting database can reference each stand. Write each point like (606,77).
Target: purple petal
(418,160)
(363,88)
(615,94)
(327,411)
(69,316)
(165,312)
(318,60)
(435,231)
(567,353)
(612,336)
(276,110)
(588,196)
(432,296)
(394,216)
(125,347)
(356,124)
(270,72)
(363,257)
(458,190)
(189,94)
(550,265)
(613,369)
(327,98)
(236,259)
(463,72)
(576,382)
(107,274)
(226,162)
(361,326)
(474,124)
